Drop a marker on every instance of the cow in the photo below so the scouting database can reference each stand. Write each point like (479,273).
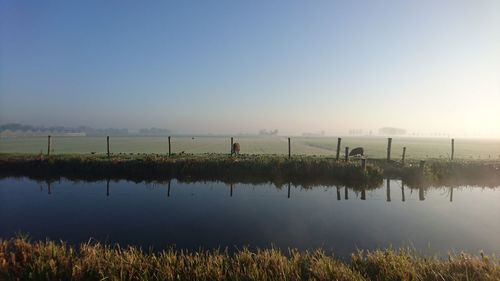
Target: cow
(236,148)
(358,151)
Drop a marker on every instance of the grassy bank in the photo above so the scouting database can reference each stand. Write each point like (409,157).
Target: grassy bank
(299,170)
(24,260)
(218,167)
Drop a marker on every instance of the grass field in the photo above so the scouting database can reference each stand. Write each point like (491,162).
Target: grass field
(23,260)
(375,147)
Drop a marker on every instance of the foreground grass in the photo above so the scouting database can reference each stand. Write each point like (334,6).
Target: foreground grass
(21,259)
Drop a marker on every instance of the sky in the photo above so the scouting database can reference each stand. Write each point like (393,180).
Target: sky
(241,66)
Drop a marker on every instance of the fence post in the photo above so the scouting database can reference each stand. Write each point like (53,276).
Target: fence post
(346,153)
(232,146)
(363,164)
(422,166)
(452,148)
(48,145)
(107,145)
(169,147)
(389,144)
(404,153)
(339,140)
(289,149)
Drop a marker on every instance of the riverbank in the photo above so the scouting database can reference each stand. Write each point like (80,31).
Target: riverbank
(21,259)
(298,170)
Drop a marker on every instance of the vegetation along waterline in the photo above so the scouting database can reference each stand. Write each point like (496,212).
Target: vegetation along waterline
(304,170)
(21,259)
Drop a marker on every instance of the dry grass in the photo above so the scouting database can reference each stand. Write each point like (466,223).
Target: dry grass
(21,259)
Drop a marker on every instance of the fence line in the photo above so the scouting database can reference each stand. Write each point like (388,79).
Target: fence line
(50,148)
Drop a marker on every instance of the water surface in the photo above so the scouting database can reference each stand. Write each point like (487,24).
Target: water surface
(215,215)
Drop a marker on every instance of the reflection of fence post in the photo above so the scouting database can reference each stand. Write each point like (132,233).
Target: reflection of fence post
(338,193)
(363,194)
(232,151)
(404,154)
(345,193)
(169,147)
(231,192)
(168,190)
(402,191)
(107,187)
(48,144)
(289,149)
(388,190)
(289,190)
(107,144)
(346,153)
(452,148)
(389,144)
(339,140)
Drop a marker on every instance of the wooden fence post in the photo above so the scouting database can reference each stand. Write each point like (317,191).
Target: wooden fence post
(169,147)
(107,145)
(452,148)
(48,145)
(404,154)
(339,140)
(389,144)
(363,164)
(422,166)
(232,151)
(289,149)
(346,153)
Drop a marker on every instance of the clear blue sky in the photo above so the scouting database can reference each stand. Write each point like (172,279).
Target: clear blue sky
(239,66)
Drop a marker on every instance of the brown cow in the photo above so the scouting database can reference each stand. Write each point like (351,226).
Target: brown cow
(236,148)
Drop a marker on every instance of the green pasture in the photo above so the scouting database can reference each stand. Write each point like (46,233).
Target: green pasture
(375,147)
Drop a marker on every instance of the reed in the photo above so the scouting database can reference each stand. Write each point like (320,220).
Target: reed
(21,259)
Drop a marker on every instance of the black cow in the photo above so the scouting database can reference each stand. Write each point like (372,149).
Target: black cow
(358,151)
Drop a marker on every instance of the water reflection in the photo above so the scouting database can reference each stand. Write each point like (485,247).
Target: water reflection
(357,190)
(260,216)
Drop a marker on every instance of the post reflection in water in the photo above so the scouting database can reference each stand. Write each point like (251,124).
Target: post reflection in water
(388,190)
(288,190)
(107,187)
(338,193)
(231,190)
(451,194)
(402,191)
(363,194)
(168,189)
(421,193)
(49,187)
(346,197)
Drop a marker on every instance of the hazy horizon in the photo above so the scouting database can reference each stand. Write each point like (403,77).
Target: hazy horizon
(229,67)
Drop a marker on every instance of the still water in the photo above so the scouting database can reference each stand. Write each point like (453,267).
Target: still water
(215,215)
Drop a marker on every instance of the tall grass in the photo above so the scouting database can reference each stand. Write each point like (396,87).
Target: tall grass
(21,259)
